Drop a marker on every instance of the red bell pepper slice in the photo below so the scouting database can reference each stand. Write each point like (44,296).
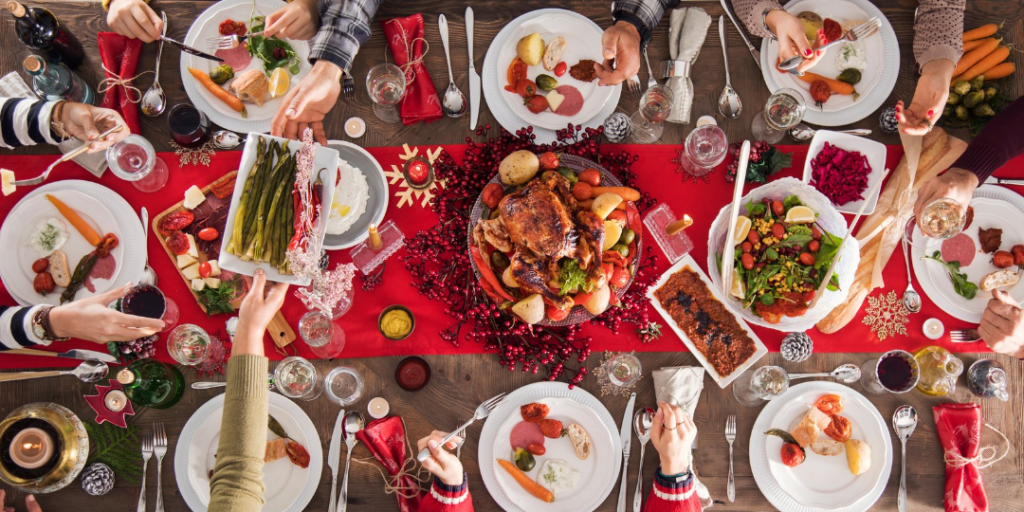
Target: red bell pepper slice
(488,274)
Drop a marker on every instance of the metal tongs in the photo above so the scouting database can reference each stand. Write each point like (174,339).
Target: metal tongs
(69,156)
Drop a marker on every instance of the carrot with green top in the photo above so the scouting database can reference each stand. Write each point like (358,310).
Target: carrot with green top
(225,96)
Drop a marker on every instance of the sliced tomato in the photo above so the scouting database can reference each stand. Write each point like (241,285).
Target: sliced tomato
(516,72)
(609,269)
(839,429)
(620,279)
(618,215)
(557,314)
(830,404)
(581,298)
(615,258)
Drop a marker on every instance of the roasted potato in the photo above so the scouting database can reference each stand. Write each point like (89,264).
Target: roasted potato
(518,167)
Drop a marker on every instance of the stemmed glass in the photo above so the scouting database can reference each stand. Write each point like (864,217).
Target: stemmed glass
(189,344)
(704,149)
(765,383)
(148,301)
(325,339)
(386,85)
(895,371)
(942,218)
(655,107)
(784,110)
(134,159)
(344,385)
(297,378)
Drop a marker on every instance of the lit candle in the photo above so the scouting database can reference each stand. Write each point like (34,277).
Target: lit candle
(678,225)
(375,242)
(933,328)
(115,400)
(378,408)
(355,127)
(31,448)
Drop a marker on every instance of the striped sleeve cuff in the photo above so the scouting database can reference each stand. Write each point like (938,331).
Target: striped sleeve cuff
(24,122)
(16,328)
(450,494)
(673,488)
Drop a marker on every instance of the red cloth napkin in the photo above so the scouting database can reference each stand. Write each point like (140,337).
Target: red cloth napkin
(385,438)
(959,430)
(420,102)
(120,56)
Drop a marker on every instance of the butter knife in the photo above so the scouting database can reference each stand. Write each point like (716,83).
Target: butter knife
(992,180)
(474,78)
(739,28)
(76,353)
(334,460)
(624,434)
(188,49)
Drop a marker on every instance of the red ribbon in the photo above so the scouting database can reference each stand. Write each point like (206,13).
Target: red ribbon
(385,438)
(959,429)
(405,37)
(120,56)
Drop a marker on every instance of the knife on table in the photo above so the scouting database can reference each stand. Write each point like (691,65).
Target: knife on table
(753,51)
(76,353)
(474,78)
(188,49)
(627,427)
(992,180)
(334,459)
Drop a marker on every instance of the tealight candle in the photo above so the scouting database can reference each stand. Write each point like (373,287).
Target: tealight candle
(703,120)
(355,127)
(115,400)
(933,328)
(378,408)
(31,448)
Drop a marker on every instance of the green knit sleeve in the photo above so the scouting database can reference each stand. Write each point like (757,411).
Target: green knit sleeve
(237,483)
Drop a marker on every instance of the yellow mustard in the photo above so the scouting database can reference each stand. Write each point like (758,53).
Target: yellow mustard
(396,324)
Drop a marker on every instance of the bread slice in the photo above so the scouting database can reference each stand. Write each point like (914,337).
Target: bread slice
(553,53)
(998,279)
(250,86)
(580,440)
(59,268)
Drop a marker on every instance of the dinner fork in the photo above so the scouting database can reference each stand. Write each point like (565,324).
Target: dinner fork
(69,156)
(159,449)
(348,86)
(147,453)
(462,439)
(651,82)
(633,83)
(229,42)
(482,411)
(859,32)
(730,435)
(964,336)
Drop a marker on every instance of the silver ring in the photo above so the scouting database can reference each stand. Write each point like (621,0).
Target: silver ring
(929,123)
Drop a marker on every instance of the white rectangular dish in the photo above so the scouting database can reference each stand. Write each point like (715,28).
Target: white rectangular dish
(873,151)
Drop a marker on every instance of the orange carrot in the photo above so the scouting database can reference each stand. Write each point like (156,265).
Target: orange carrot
(1000,71)
(220,93)
(980,32)
(586,205)
(77,221)
(992,60)
(974,56)
(835,86)
(970,45)
(626,193)
(532,487)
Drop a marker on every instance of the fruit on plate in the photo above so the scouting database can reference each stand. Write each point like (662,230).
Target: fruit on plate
(279,82)
(518,167)
(530,49)
(605,204)
(553,53)
(858,456)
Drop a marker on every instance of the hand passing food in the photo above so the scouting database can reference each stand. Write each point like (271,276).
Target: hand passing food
(442,463)
(1002,325)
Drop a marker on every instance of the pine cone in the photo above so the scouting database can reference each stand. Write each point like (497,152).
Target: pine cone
(796,347)
(617,127)
(98,479)
(887,121)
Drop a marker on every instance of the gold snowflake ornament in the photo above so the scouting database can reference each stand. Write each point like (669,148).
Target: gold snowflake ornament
(407,194)
(194,156)
(886,315)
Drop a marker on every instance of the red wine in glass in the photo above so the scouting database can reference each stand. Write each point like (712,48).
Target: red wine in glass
(189,126)
(144,300)
(896,373)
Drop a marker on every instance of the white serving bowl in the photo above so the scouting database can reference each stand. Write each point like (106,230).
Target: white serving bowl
(872,150)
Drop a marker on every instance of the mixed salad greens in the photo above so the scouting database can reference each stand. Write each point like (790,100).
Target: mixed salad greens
(275,53)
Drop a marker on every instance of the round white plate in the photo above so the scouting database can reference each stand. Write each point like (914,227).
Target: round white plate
(598,473)
(821,483)
(376,205)
(205,27)
(994,206)
(105,210)
(494,81)
(878,77)
(289,488)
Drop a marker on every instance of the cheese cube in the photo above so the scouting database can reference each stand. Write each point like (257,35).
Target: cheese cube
(8,181)
(192,251)
(214,269)
(198,285)
(212,282)
(193,197)
(185,260)
(555,100)
(191,272)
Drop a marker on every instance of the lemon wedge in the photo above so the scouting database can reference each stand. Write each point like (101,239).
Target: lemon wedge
(742,228)
(279,82)
(737,286)
(800,215)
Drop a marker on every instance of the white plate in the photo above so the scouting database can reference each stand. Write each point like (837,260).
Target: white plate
(872,150)
(994,206)
(820,484)
(494,81)
(583,41)
(105,210)
(323,159)
(760,351)
(205,27)
(376,205)
(877,80)
(289,488)
(599,472)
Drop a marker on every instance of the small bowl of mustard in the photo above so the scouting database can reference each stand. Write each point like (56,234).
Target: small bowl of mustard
(396,322)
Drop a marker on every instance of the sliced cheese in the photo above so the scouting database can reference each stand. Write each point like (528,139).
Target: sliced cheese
(555,100)
(214,269)
(191,272)
(193,197)
(212,282)
(198,285)
(185,260)
(8,181)
(192,251)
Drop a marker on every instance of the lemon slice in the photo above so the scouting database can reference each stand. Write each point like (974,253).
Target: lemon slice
(279,82)
(800,215)
(742,228)
(737,286)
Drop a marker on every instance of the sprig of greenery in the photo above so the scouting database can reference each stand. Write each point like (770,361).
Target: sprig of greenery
(961,285)
(572,277)
(116,447)
(218,300)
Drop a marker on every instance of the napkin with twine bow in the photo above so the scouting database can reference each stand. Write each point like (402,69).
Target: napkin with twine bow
(687,29)
(385,438)
(958,426)
(405,37)
(120,56)
(681,386)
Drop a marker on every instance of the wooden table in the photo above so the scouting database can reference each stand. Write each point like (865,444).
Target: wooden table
(461,382)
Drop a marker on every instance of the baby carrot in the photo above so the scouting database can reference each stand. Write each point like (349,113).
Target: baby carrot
(76,220)
(980,32)
(990,61)
(626,193)
(216,90)
(586,205)
(974,56)
(1000,71)
(532,487)
(834,85)
(970,45)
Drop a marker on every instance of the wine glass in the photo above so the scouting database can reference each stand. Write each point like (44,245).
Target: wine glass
(386,85)
(655,107)
(325,339)
(624,370)
(296,378)
(942,218)
(148,301)
(134,159)
(704,149)
(189,126)
(895,371)
(765,383)
(189,344)
(344,385)
(784,110)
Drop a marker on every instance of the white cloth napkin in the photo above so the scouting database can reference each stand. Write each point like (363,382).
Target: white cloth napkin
(681,386)
(688,28)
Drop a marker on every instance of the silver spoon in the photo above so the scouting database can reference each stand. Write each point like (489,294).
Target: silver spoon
(847,374)
(454,102)
(155,101)
(904,420)
(911,299)
(803,133)
(225,139)
(354,422)
(642,422)
(148,274)
(92,370)
(729,103)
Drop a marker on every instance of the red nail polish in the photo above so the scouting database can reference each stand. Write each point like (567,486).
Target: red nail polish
(807,52)
(931,113)
(819,53)
(821,32)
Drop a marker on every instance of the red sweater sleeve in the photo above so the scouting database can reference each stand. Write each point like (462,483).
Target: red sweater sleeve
(448,498)
(673,494)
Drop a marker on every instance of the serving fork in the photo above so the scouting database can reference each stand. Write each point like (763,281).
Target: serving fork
(482,411)
(159,449)
(68,156)
(964,336)
(730,435)
(856,33)
(229,42)
(147,453)
(633,83)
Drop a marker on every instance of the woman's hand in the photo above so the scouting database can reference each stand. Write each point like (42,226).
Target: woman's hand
(793,40)
(134,19)
(956,184)
(929,98)
(672,435)
(93,320)
(306,105)
(442,463)
(1002,325)
(298,20)
(259,306)
(621,45)
(30,503)
(86,122)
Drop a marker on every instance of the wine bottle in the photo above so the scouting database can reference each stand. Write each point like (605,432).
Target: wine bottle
(54,81)
(151,383)
(41,31)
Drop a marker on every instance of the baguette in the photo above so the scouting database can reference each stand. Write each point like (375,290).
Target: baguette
(553,53)
(59,269)
(580,440)
(998,279)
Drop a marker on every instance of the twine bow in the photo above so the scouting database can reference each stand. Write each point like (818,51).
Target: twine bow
(406,491)
(986,455)
(131,93)
(406,68)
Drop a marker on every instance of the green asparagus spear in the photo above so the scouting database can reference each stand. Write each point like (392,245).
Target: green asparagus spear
(236,230)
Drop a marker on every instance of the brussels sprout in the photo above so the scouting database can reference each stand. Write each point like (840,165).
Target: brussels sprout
(568,174)
(221,74)
(525,460)
(962,87)
(973,98)
(947,111)
(546,82)
(850,76)
(953,99)
(499,260)
(961,112)
(983,110)
(990,92)
(621,248)
(977,82)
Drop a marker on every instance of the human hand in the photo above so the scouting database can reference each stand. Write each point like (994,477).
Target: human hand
(298,20)
(1002,325)
(259,306)
(135,19)
(956,184)
(442,463)
(620,43)
(30,503)
(793,39)
(86,122)
(306,104)
(929,98)
(672,435)
(93,320)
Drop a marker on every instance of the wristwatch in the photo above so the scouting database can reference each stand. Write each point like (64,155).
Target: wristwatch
(41,327)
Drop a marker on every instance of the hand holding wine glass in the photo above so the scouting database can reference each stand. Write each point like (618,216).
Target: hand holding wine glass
(92,319)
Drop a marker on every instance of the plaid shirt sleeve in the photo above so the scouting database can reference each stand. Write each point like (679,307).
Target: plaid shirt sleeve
(344,27)
(643,14)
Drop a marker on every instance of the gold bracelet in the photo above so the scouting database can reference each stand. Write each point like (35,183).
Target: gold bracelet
(56,120)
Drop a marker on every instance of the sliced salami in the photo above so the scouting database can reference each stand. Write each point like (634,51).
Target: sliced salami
(525,434)
(238,57)
(959,248)
(573,102)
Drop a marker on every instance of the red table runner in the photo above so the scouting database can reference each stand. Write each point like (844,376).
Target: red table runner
(656,175)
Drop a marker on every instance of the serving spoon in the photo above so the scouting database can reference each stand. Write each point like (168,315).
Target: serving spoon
(846,373)
(904,421)
(148,274)
(155,101)
(353,423)
(642,422)
(91,370)
(729,103)
(454,102)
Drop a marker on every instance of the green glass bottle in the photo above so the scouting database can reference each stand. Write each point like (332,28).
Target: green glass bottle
(151,383)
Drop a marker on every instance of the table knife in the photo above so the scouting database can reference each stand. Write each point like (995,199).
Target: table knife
(474,78)
(76,353)
(992,180)
(739,28)
(188,49)
(624,434)
(334,459)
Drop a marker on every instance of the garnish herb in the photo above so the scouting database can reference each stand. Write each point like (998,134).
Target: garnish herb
(572,278)
(218,300)
(48,237)
(961,285)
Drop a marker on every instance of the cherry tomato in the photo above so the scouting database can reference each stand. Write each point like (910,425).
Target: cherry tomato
(617,215)
(753,237)
(551,428)
(778,230)
(807,258)
(808,296)
(548,161)
(581,190)
(591,176)
(40,265)
(536,104)
(205,270)
(526,88)
(815,233)
(536,449)
(747,260)
(208,234)
(813,246)
(492,195)
(792,455)
(560,68)
(778,209)
(620,278)
(747,246)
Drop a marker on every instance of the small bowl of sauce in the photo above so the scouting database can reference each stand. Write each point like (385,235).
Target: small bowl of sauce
(396,322)
(412,374)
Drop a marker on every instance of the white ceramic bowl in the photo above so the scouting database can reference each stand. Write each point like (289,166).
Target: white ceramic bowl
(872,150)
